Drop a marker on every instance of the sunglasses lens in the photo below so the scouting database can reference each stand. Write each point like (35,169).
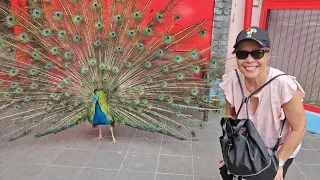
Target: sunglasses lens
(242,54)
(257,54)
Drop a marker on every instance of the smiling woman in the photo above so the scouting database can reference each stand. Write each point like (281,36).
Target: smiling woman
(278,105)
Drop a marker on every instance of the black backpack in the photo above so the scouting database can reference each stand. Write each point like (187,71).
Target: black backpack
(244,152)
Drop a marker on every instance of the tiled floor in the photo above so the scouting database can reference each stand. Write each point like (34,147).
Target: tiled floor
(139,155)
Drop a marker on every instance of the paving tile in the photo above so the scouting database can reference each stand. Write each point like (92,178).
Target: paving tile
(59,140)
(175,165)
(173,177)
(26,141)
(176,148)
(4,147)
(22,171)
(211,126)
(294,173)
(311,135)
(206,149)
(106,160)
(306,145)
(169,138)
(122,131)
(140,162)
(206,178)
(40,155)
(145,146)
(206,167)
(76,129)
(129,175)
(60,173)
(97,174)
(88,142)
(73,157)
(313,142)
(122,145)
(311,172)
(3,167)
(207,136)
(307,157)
(14,153)
(87,130)
(147,135)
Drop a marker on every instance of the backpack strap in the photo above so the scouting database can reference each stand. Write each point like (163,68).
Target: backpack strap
(246,99)
(276,146)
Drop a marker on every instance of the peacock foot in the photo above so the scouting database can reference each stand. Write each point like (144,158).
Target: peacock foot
(114,141)
(99,138)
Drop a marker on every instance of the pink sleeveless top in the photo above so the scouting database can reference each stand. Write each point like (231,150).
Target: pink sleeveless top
(269,114)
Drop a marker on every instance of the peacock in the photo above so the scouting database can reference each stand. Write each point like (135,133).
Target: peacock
(105,62)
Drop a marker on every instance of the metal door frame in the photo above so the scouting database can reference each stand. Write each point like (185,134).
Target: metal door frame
(268,5)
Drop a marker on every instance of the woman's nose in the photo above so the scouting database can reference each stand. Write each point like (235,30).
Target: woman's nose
(249,59)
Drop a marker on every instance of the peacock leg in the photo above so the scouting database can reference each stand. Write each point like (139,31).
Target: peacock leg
(100,134)
(113,139)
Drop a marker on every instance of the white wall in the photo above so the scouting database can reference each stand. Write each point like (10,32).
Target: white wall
(236,25)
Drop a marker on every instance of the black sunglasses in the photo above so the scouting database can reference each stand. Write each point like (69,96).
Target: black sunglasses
(255,54)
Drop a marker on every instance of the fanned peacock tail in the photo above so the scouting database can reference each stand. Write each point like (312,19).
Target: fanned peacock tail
(134,54)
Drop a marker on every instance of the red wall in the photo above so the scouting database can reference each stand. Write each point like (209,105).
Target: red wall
(190,10)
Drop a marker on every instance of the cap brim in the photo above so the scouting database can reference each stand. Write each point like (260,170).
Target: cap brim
(261,43)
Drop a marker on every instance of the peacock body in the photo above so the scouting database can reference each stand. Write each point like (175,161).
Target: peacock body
(103,62)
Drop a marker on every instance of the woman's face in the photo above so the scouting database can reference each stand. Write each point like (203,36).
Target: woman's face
(249,66)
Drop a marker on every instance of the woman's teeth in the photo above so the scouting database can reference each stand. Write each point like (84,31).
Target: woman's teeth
(250,68)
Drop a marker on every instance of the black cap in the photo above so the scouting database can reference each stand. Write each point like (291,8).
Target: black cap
(257,34)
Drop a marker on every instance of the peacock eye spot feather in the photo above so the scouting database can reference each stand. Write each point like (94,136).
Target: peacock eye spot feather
(128,64)
(177,16)
(67,65)
(178,59)
(137,15)
(10,21)
(46,32)
(160,53)
(118,18)
(165,68)
(203,32)
(36,13)
(149,80)
(97,43)
(132,33)
(140,46)
(148,64)
(112,34)
(159,16)
(119,49)
(168,39)
(164,84)
(115,70)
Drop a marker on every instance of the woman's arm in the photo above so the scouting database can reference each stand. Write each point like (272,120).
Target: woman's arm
(295,115)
